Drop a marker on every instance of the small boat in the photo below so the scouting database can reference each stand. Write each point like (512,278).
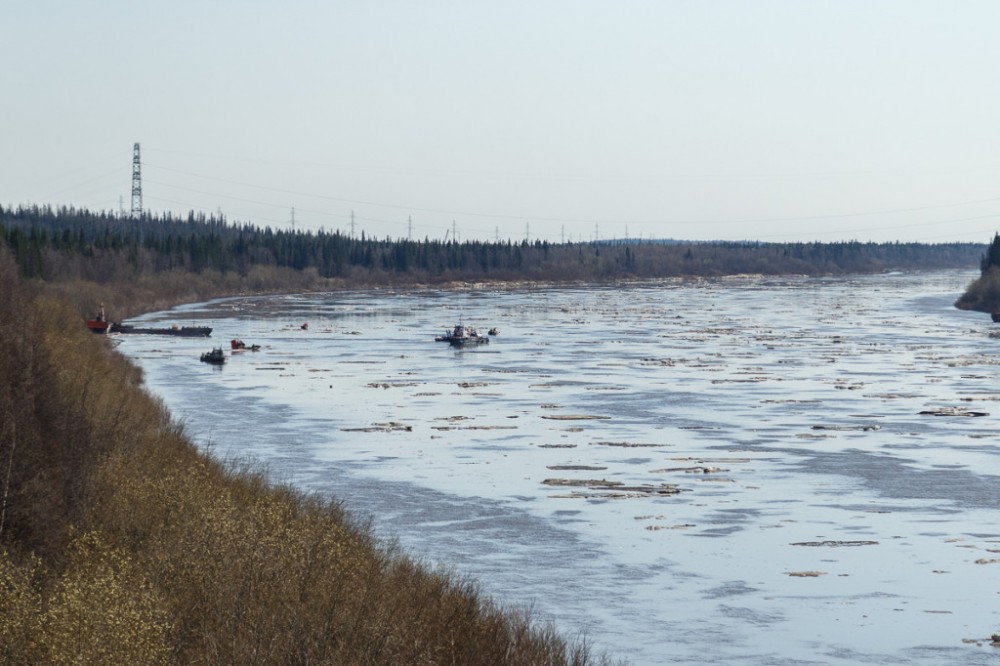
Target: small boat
(462,336)
(239,345)
(98,325)
(216,356)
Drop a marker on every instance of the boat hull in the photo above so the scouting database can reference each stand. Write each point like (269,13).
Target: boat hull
(467,342)
(182,331)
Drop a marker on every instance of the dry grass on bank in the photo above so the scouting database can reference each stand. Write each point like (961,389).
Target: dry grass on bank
(150,292)
(120,543)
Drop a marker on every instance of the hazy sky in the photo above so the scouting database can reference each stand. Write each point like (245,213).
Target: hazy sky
(775,120)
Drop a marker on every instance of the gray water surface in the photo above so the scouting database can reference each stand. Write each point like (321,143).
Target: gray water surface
(832,442)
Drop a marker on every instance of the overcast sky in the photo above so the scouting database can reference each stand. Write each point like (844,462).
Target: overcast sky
(773,120)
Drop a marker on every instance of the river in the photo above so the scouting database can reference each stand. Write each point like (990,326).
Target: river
(750,470)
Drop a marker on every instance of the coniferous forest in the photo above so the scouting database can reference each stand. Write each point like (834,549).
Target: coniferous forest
(69,244)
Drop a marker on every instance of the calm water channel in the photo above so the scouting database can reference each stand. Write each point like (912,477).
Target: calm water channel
(732,471)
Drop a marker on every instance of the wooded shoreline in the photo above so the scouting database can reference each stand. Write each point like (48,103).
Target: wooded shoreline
(157,261)
(120,543)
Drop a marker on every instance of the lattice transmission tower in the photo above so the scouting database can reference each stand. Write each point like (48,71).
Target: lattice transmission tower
(136,183)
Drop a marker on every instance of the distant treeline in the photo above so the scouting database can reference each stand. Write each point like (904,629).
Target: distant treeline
(69,243)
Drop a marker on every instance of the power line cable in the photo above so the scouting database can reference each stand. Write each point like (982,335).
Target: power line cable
(529,218)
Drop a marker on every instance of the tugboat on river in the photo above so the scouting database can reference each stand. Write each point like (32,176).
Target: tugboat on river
(100,323)
(462,336)
(216,356)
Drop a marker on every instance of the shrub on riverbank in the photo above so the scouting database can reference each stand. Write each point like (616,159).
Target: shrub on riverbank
(162,291)
(120,543)
(983,295)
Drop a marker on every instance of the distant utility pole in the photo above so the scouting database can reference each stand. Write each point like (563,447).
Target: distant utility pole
(136,183)
(409,229)
(527,232)
(596,236)
(496,234)
(562,235)
(293,218)
(454,231)
(352,224)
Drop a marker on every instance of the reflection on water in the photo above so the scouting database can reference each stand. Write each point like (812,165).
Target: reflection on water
(733,471)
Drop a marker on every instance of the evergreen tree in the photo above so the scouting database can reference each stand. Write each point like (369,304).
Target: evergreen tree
(992,256)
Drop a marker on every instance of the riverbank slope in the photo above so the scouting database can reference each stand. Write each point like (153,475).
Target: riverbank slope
(122,544)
